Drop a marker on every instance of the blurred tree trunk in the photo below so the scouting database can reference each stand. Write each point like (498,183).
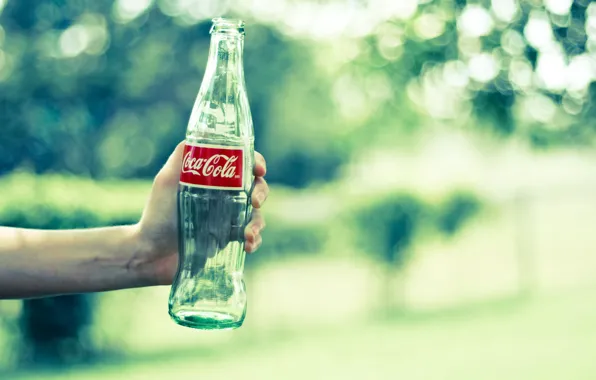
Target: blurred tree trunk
(526,265)
(54,330)
(392,299)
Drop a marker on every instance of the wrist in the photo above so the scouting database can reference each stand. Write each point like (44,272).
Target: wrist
(138,264)
(155,257)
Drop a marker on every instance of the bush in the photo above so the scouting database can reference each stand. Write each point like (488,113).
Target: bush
(53,201)
(283,239)
(391,223)
(456,211)
(389,226)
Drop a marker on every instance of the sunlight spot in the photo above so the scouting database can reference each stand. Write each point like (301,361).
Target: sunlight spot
(475,21)
(540,107)
(402,9)
(128,10)
(264,9)
(520,73)
(558,7)
(538,31)
(513,42)
(429,25)
(455,73)
(74,40)
(504,10)
(350,98)
(390,46)
(331,20)
(96,29)
(591,21)
(89,36)
(572,105)
(469,45)
(581,72)
(552,71)
(483,67)
(204,10)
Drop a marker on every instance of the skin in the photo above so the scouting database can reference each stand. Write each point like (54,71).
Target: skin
(37,263)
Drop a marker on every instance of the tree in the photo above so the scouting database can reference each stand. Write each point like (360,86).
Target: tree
(391,226)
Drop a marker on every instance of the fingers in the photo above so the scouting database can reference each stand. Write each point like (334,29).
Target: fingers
(260,165)
(252,232)
(257,222)
(251,247)
(260,192)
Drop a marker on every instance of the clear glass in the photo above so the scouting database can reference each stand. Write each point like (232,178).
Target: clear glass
(208,291)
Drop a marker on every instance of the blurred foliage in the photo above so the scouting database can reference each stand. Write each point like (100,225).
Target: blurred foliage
(391,224)
(284,239)
(390,227)
(104,88)
(84,93)
(32,200)
(456,211)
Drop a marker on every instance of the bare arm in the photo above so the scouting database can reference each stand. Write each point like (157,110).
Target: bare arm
(35,263)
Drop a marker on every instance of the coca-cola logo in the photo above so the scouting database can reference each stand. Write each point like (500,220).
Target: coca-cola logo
(218,165)
(213,167)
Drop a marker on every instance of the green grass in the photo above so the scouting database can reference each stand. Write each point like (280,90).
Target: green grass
(543,339)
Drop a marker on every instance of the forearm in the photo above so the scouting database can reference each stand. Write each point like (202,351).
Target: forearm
(36,263)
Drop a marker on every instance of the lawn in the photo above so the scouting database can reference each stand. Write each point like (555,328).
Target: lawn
(543,339)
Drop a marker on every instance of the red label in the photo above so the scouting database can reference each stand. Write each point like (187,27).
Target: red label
(213,166)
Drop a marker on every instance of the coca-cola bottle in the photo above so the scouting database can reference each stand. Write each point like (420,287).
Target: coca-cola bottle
(216,181)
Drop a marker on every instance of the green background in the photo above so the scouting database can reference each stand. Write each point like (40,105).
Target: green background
(432,175)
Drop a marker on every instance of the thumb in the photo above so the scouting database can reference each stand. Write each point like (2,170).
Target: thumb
(169,175)
(162,199)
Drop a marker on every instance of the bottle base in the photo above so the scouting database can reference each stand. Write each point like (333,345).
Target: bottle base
(206,320)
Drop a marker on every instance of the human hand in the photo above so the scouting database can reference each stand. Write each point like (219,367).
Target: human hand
(157,232)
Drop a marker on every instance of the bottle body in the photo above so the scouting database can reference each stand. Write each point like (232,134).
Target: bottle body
(209,290)
(214,203)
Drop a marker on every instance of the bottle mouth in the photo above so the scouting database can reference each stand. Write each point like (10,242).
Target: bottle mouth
(227,26)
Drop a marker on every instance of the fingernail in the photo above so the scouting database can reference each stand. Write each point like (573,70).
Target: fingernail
(260,198)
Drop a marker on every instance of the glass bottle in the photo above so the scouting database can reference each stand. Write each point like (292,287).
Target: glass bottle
(214,202)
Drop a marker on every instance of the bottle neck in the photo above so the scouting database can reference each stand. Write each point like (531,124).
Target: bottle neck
(226,57)
(222,105)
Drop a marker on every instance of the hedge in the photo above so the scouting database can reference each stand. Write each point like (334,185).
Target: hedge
(57,202)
